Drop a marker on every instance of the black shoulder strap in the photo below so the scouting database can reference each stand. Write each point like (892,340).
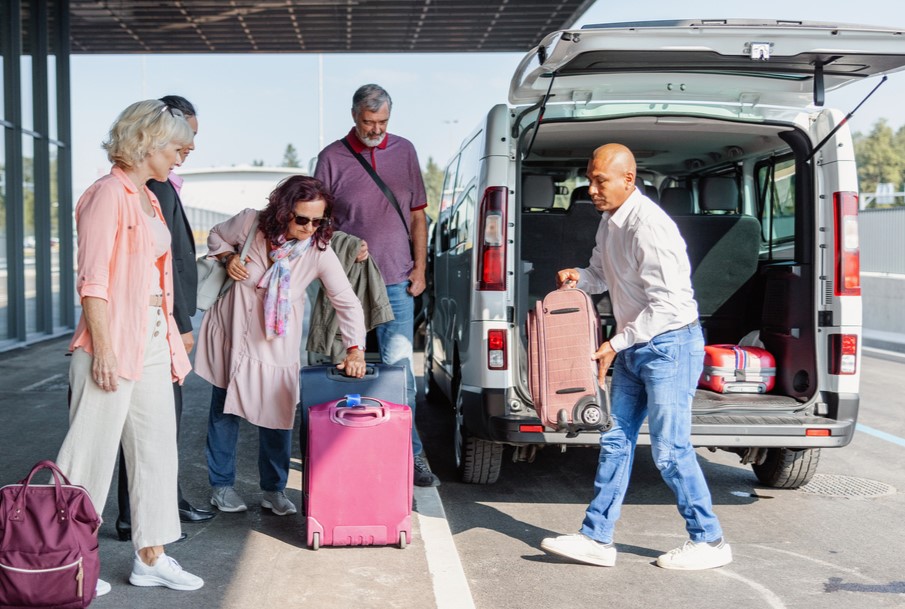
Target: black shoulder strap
(380,183)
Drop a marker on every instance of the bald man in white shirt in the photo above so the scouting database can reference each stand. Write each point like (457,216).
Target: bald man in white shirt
(657,355)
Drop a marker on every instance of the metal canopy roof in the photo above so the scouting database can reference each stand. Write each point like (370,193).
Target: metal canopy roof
(316,26)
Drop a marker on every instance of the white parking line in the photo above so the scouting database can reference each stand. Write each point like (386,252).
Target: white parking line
(451,590)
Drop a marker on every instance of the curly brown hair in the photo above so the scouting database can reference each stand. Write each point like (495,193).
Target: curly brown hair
(280,210)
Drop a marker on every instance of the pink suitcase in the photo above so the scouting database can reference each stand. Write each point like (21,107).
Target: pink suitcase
(358,473)
(735,369)
(563,334)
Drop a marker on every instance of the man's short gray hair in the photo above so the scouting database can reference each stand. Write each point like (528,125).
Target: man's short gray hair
(370,97)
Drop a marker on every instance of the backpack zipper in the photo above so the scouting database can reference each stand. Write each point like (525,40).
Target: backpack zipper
(79,576)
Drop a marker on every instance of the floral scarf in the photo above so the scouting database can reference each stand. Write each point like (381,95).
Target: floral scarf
(277,302)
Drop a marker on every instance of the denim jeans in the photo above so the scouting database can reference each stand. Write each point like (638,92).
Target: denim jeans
(656,379)
(395,339)
(274,447)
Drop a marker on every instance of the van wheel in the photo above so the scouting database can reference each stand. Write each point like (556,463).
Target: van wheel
(787,468)
(478,461)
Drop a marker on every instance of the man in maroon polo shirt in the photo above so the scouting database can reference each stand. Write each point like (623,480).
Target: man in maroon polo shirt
(397,239)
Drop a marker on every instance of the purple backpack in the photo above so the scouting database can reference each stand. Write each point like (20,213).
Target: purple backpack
(48,543)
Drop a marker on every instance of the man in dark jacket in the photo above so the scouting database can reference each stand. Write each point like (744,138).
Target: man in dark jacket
(185,286)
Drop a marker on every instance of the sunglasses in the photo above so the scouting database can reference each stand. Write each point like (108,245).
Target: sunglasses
(315,222)
(174,112)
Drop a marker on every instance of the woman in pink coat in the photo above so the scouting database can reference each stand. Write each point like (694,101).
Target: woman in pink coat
(248,346)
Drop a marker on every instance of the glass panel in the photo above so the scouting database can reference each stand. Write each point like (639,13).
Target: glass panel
(52,97)
(28,200)
(55,235)
(27,105)
(4,285)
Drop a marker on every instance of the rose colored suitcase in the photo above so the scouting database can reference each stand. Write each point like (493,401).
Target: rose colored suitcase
(563,334)
(736,369)
(358,473)
(321,384)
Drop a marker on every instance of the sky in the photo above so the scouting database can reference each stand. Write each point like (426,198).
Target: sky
(251,106)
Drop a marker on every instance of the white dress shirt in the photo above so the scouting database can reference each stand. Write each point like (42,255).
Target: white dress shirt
(640,258)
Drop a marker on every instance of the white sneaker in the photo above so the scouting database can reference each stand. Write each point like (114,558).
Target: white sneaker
(227,499)
(278,502)
(582,549)
(697,556)
(165,572)
(101,588)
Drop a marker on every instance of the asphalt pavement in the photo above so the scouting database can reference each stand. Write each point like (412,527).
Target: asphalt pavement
(248,559)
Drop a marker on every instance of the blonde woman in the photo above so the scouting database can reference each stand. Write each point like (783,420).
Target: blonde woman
(127,350)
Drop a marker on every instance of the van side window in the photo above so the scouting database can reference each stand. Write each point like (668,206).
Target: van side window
(448,193)
(776,206)
(462,221)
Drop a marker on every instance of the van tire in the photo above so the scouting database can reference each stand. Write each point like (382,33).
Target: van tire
(478,461)
(787,468)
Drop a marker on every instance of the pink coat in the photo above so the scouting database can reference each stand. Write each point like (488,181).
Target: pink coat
(261,376)
(113,247)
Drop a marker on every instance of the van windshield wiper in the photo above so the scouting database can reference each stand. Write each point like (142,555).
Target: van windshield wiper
(829,135)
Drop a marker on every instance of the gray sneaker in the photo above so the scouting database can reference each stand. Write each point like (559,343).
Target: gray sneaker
(423,474)
(165,572)
(227,499)
(278,502)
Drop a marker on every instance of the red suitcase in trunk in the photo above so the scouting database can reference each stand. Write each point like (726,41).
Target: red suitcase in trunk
(563,333)
(358,473)
(736,369)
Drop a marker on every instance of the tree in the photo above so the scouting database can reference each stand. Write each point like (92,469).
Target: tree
(290,157)
(257,162)
(880,157)
(433,183)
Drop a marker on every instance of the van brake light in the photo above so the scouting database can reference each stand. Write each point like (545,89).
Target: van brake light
(496,349)
(847,248)
(843,353)
(492,244)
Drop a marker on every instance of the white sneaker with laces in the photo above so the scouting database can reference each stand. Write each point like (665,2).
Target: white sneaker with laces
(102,588)
(165,572)
(696,556)
(278,502)
(582,549)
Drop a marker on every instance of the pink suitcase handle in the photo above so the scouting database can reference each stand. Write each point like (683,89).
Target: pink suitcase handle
(360,415)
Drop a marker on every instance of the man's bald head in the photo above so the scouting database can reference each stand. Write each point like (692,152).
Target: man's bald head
(611,173)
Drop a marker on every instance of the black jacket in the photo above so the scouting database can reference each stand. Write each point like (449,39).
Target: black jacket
(185,275)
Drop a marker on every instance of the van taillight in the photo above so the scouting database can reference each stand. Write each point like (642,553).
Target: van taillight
(848,249)
(492,252)
(843,353)
(496,349)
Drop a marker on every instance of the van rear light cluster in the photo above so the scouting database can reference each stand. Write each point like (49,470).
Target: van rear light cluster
(843,353)
(496,349)
(492,235)
(847,249)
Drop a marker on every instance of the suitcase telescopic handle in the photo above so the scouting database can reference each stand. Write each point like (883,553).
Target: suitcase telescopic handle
(360,414)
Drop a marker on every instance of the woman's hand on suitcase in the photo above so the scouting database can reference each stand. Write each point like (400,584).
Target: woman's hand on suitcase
(354,364)
(604,356)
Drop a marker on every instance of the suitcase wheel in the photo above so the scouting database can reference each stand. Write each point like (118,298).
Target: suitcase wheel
(315,541)
(591,415)
(402,540)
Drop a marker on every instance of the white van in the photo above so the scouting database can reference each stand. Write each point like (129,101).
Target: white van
(727,123)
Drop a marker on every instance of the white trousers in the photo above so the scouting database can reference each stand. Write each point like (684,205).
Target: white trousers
(141,416)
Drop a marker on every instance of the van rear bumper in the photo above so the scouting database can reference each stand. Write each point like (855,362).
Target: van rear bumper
(486,417)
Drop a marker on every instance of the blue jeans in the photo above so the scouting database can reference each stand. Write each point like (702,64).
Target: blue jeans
(395,339)
(656,379)
(274,446)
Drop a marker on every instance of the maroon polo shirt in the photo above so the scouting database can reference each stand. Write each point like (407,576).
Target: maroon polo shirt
(361,209)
